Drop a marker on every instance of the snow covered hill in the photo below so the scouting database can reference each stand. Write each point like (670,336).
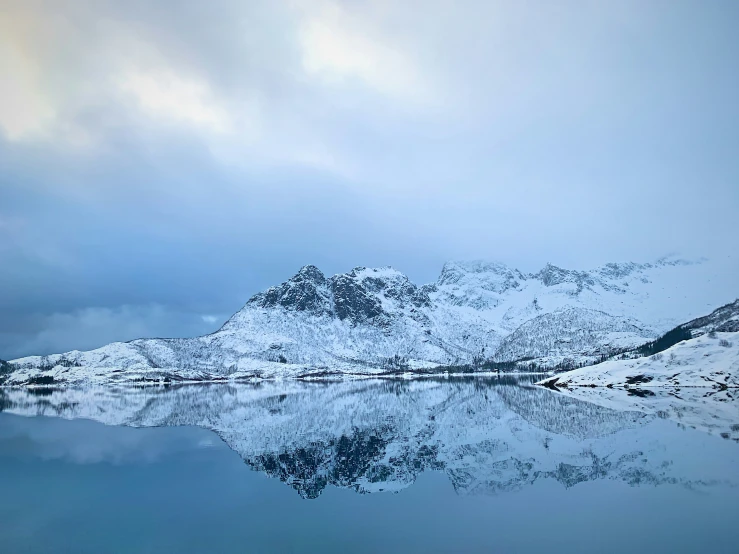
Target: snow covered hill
(553,338)
(372,321)
(710,360)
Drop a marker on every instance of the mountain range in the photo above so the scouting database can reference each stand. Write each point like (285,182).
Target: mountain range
(376,320)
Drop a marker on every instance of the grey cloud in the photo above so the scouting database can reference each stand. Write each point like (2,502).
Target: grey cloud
(578,134)
(90,328)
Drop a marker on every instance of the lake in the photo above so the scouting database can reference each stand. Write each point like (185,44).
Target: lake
(449,465)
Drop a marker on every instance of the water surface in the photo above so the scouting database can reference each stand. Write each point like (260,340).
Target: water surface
(366,466)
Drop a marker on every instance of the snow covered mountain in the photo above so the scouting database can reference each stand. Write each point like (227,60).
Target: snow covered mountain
(709,359)
(552,338)
(371,321)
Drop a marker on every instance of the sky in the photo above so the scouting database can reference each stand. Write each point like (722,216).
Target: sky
(160,162)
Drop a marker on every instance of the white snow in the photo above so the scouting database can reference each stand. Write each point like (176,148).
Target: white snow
(710,360)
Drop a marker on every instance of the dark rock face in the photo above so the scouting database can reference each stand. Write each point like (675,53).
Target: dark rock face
(352,300)
(729,327)
(620,270)
(354,296)
(552,275)
(428,289)
(307,291)
(420,299)
(403,291)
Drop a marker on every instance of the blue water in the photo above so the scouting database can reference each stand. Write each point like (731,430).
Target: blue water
(473,472)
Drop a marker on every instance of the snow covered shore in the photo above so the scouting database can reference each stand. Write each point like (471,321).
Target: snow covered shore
(710,360)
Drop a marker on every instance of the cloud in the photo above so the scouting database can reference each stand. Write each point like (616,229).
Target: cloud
(339,45)
(25,111)
(188,156)
(89,328)
(170,96)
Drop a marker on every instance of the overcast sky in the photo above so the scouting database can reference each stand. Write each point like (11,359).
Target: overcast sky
(160,162)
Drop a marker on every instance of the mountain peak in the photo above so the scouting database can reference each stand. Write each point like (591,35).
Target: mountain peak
(551,275)
(310,272)
(362,295)
(385,272)
(374,294)
(476,266)
(304,291)
(456,271)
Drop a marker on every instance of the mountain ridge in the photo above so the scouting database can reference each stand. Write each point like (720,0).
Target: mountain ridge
(374,320)
(698,353)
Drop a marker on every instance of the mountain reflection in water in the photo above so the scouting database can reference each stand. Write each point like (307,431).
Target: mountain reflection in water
(488,436)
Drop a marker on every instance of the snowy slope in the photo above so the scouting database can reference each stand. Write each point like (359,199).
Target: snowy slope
(709,360)
(574,334)
(370,321)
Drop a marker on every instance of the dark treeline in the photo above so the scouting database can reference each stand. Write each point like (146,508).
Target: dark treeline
(670,338)
(5,369)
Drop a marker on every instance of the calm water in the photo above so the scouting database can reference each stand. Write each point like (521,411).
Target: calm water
(422,466)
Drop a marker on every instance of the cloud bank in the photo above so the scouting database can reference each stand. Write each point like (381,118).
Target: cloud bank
(161,162)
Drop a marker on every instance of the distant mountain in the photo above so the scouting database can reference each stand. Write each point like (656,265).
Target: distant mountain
(371,321)
(574,333)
